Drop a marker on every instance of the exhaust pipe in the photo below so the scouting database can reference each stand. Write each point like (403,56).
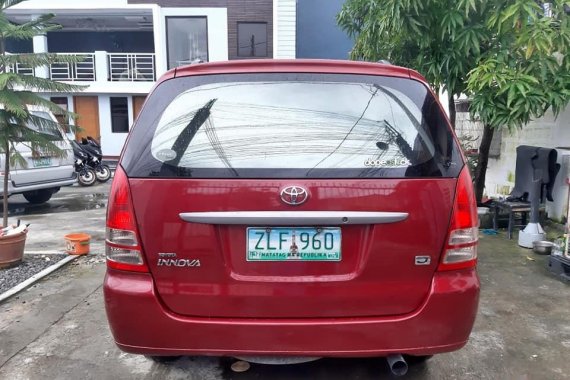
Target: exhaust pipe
(397,364)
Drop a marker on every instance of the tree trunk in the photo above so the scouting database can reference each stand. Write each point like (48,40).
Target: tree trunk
(2,52)
(452,111)
(5,193)
(481,170)
(6,149)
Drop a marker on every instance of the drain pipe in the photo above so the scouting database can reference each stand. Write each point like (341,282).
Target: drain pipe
(397,364)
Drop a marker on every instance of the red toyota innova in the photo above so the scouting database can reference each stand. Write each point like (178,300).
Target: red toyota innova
(291,208)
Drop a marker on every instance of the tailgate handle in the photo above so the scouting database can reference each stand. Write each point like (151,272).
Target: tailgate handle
(293,218)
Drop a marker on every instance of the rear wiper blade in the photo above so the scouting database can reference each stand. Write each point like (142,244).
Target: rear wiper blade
(188,133)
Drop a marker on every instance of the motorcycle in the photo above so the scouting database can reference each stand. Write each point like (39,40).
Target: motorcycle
(86,175)
(93,149)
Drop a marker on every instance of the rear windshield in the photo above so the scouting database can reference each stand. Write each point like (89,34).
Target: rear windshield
(49,128)
(291,126)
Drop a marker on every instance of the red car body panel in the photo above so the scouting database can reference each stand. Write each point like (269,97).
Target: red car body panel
(373,302)
(141,324)
(296,66)
(363,283)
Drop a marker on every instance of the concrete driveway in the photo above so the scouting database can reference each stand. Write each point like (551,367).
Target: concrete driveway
(57,329)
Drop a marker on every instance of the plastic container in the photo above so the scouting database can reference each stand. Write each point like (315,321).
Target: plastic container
(12,249)
(77,244)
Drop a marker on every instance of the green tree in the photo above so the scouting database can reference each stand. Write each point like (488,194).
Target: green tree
(442,39)
(19,92)
(505,54)
(524,72)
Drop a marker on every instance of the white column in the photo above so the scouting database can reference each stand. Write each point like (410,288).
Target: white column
(284,29)
(41,46)
(71,107)
(101,66)
(275,27)
(159,31)
(131,111)
(218,34)
(105,125)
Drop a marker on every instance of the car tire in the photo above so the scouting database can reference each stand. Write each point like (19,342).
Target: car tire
(164,359)
(37,197)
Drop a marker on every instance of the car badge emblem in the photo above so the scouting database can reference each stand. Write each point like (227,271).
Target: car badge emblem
(294,195)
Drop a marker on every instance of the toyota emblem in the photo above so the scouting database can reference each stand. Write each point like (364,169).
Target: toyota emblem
(294,195)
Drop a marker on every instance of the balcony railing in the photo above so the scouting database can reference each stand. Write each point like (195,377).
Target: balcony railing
(131,67)
(20,68)
(83,71)
(99,66)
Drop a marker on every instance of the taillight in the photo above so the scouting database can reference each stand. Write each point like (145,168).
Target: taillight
(461,245)
(122,244)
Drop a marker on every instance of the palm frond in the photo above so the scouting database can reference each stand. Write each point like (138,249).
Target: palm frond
(12,103)
(32,99)
(6,79)
(41,143)
(33,60)
(4,4)
(41,135)
(18,125)
(28,82)
(30,29)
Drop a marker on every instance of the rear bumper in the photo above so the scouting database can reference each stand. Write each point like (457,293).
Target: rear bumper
(141,324)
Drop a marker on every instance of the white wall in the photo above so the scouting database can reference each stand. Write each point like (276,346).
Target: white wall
(284,28)
(548,132)
(137,88)
(217,33)
(111,143)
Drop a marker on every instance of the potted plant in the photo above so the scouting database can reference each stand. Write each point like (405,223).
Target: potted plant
(18,93)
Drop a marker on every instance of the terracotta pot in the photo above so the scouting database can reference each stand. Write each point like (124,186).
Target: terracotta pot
(12,250)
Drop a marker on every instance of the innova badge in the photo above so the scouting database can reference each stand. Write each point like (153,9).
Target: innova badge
(294,195)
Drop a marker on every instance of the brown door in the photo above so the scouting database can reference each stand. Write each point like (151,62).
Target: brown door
(87,107)
(138,102)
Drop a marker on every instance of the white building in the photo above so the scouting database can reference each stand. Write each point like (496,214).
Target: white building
(126,45)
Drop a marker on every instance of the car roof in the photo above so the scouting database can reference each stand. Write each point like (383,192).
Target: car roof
(293,66)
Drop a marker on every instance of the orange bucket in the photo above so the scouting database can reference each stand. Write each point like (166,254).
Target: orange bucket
(77,244)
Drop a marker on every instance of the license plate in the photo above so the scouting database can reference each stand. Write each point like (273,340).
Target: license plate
(41,162)
(293,244)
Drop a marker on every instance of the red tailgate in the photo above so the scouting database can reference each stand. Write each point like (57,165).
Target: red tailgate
(376,276)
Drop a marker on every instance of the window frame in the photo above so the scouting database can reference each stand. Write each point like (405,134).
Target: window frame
(127,114)
(266,39)
(65,106)
(166,18)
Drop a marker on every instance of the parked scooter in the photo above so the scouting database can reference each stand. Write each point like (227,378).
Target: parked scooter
(93,149)
(86,175)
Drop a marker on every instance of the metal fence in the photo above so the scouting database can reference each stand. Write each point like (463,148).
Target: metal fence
(20,68)
(77,71)
(131,67)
